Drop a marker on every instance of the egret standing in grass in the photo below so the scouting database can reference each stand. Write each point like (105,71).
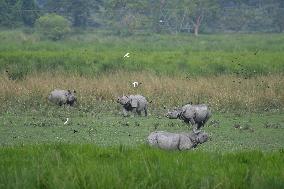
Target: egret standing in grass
(67,119)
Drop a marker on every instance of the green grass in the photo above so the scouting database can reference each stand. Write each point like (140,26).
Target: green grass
(260,131)
(109,151)
(92,53)
(88,166)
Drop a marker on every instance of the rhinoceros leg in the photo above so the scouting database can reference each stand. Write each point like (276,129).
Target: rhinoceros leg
(145,111)
(124,111)
(139,112)
(199,125)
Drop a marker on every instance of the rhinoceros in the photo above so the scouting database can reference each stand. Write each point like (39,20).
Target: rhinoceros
(61,97)
(176,141)
(191,114)
(133,103)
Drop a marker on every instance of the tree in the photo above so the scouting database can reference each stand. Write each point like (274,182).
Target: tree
(80,11)
(29,12)
(187,14)
(10,13)
(278,15)
(52,26)
(3,13)
(77,11)
(199,11)
(126,16)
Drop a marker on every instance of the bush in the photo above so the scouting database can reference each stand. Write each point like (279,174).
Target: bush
(52,26)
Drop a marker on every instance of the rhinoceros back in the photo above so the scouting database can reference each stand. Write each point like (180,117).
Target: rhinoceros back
(164,140)
(58,96)
(202,113)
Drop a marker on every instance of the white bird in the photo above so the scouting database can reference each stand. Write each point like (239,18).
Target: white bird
(67,119)
(135,84)
(126,55)
(161,21)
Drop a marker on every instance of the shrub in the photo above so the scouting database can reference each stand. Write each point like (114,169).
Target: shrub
(53,26)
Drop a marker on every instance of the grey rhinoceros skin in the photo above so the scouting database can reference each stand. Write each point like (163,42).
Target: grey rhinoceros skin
(61,97)
(133,103)
(193,114)
(176,141)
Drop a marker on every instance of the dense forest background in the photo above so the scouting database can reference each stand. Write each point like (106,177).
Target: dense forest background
(127,17)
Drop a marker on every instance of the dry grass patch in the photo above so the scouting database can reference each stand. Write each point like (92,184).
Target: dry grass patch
(221,92)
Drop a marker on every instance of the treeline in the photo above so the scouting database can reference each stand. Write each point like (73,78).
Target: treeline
(159,16)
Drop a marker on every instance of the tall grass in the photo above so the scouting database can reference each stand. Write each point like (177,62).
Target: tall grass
(94,53)
(87,166)
(238,71)
(222,93)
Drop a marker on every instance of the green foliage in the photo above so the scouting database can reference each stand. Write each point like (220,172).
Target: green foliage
(9,13)
(127,17)
(277,12)
(53,26)
(18,12)
(79,11)
(29,12)
(191,14)
(88,166)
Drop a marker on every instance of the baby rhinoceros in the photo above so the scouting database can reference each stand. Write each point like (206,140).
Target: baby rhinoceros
(61,97)
(176,141)
(133,103)
(193,114)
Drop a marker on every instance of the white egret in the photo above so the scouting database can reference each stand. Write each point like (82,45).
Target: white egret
(67,119)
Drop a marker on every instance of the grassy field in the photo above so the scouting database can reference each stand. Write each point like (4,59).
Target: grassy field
(240,76)
(94,53)
(86,166)
(102,149)
(259,131)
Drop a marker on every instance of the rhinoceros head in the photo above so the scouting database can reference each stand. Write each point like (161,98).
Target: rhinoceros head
(71,98)
(174,114)
(201,137)
(123,100)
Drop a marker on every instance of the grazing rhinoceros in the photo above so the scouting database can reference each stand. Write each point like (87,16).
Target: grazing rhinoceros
(61,97)
(176,141)
(193,114)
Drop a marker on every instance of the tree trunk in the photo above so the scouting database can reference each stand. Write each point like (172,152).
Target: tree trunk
(196,30)
(197,25)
